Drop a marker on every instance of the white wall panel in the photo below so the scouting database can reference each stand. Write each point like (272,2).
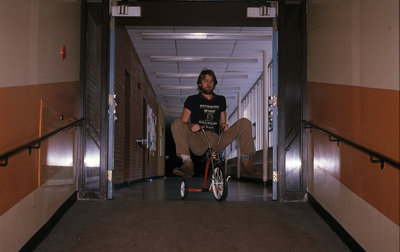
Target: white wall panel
(32,33)
(354,42)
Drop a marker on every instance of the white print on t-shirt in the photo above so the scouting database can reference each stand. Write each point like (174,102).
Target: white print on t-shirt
(205,106)
(208,124)
(209,110)
(210,114)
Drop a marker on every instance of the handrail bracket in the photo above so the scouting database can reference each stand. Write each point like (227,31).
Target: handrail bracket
(308,127)
(4,161)
(373,159)
(33,146)
(334,139)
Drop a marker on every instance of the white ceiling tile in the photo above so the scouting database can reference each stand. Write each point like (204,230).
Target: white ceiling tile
(221,48)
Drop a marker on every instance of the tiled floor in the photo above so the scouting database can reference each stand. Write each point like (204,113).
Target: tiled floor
(168,189)
(150,216)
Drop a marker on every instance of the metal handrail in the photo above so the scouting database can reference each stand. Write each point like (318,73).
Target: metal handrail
(375,157)
(35,144)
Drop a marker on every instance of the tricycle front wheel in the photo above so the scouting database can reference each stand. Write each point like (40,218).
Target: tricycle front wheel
(184,189)
(219,184)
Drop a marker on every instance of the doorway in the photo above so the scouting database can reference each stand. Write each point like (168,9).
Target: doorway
(191,13)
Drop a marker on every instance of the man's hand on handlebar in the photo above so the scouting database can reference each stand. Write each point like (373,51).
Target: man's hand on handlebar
(195,127)
(225,126)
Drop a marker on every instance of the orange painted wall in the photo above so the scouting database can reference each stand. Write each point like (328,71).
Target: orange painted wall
(20,113)
(368,117)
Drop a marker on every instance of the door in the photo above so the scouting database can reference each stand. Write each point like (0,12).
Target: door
(291,73)
(94,73)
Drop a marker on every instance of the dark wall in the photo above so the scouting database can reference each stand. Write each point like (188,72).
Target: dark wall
(132,161)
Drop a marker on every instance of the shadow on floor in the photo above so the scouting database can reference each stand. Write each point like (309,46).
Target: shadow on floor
(150,216)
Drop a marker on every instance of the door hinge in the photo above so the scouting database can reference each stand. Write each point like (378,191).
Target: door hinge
(111,99)
(112,24)
(275,100)
(113,104)
(275,24)
(109,175)
(275,176)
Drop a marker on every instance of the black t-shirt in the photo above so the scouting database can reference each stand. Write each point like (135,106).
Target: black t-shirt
(205,112)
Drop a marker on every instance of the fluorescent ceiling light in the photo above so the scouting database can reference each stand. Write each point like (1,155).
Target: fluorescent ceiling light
(175,114)
(193,87)
(169,87)
(228,88)
(176,110)
(177,75)
(195,75)
(184,96)
(174,105)
(230,97)
(202,59)
(175,96)
(206,35)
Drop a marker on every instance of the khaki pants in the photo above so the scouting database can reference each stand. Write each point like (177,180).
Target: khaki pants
(185,139)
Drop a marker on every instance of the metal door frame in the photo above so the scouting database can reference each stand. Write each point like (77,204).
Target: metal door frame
(275,110)
(150,19)
(111,110)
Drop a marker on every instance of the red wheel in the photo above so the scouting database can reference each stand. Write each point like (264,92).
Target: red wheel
(219,184)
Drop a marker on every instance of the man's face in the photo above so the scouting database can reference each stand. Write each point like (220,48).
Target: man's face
(207,85)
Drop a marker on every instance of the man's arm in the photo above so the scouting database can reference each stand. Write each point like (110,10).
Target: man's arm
(222,121)
(185,115)
(185,118)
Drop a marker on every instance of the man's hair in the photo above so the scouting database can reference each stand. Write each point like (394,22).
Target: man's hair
(203,74)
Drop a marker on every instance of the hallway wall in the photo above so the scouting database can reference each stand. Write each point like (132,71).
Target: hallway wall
(132,162)
(37,87)
(353,91)
(161,142)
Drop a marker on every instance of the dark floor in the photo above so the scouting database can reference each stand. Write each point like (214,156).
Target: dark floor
(150,216)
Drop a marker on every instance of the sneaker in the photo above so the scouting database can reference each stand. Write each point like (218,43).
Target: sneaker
(185,170)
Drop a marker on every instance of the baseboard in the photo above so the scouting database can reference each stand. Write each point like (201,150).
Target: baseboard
(335,226)
(135,181)
(253,180)
(42,233)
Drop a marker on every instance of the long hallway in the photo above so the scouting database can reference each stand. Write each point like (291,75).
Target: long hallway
(150,216)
